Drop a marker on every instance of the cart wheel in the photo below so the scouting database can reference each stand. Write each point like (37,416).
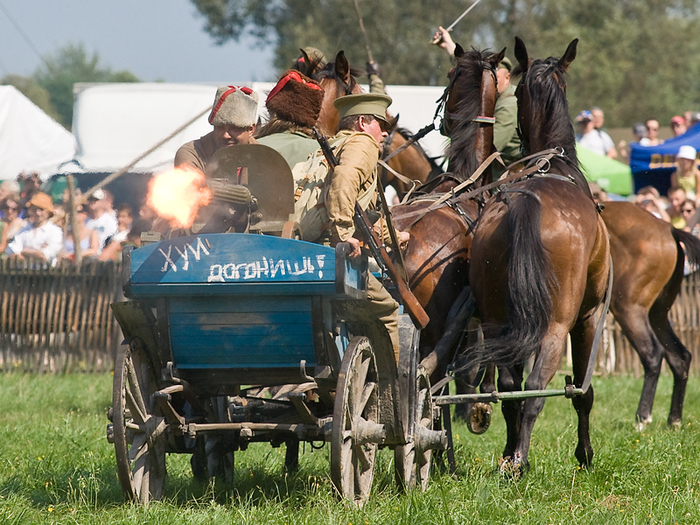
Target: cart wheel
(219,449)
(412,462)
(356,431)
(139,439)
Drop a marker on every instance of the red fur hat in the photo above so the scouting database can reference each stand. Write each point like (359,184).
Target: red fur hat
(296,98)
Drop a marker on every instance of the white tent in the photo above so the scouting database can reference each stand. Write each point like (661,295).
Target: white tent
(30,140)
(115,124)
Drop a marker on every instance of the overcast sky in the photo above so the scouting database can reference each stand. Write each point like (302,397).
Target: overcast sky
(154,39)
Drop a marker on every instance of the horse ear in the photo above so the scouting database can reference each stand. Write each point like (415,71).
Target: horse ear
(459,51)
(521,54)
(496,58)
(304,65)
(569,55)
(342,67)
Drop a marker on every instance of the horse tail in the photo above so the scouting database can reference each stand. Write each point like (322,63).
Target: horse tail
(530,278)
(691,246)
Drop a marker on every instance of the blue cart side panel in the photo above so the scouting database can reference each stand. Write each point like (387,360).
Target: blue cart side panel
(241,332)
(216,264)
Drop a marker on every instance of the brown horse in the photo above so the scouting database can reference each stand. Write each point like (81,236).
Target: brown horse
(337,79)
(437,257)
(648,258)
(540,263)
(413,163)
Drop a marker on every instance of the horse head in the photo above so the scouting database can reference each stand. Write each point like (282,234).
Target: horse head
(543,110)
(337,79)
(469,108)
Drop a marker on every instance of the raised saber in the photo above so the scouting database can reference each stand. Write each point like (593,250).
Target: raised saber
(453,24)
(364,33)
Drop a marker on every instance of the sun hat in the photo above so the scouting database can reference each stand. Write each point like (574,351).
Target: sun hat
(686,152)
(43,201)
(677,120)
(584,116)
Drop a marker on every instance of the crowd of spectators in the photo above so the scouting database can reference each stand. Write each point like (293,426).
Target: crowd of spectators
(681,204)
(35,226)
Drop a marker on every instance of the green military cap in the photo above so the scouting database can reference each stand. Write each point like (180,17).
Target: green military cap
(505,64)
(374,104)
(315,54)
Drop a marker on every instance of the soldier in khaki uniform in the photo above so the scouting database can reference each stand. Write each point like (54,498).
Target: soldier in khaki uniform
(354,179)
(233,116)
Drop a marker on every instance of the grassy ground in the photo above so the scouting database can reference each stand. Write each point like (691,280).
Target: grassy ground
(57,467)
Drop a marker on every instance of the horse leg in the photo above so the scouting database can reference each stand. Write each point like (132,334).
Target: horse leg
(509,380)
(545,366)
(678,358)
(635,323)
(582,336)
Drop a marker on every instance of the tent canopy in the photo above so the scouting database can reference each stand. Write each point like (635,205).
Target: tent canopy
(653,165)
(613,176)
(30,140)
(115,124)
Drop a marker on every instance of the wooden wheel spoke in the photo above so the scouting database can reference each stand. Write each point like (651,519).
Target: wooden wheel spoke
(137,412)
(138,448)
(367,392)
(364,459)
(136,386)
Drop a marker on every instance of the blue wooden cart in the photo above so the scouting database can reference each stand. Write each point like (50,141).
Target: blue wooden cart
(238,338)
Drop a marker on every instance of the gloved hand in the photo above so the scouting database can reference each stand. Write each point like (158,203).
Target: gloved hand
(373,69)
(226,191)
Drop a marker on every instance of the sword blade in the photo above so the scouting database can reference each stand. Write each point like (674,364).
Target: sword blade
(453,24)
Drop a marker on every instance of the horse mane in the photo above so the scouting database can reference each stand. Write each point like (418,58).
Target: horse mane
(278,125)
(469,68)
(545,82)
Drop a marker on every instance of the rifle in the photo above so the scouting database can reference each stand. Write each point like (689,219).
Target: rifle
(362,222)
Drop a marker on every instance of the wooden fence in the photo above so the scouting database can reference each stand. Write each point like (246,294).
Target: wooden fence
(58,320)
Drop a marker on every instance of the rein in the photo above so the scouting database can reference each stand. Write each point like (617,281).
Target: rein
(539,162)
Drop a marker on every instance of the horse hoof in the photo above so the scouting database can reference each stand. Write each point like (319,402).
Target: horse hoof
(642,423)
(674,424)
(513,470)
(479,418)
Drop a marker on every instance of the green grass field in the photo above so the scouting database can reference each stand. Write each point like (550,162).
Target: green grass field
(57,467)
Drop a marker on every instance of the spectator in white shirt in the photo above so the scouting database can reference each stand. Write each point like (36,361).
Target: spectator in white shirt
(40,239)
(98,219)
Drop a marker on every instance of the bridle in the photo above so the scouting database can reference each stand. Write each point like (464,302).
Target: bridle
(445,124)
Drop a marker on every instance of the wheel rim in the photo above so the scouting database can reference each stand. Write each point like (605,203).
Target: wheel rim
(139,439)
(413,464)
(356,408)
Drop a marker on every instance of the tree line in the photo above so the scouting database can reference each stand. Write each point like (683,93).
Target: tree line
(637,58)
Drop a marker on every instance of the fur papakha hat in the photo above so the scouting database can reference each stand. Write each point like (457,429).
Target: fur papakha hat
(296,98)
(234,106)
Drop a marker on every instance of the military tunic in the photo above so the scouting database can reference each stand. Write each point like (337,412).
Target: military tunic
(505,136)
(294,146)
(354,175)
(197,153)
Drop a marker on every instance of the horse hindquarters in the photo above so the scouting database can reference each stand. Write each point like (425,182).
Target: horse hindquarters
(557,269)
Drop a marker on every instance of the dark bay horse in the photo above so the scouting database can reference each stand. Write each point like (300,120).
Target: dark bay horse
(413,163)
(648,258)
(437,256)
(540,263)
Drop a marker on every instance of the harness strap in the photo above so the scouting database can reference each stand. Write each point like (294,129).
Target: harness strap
(410,141)
(598,332)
